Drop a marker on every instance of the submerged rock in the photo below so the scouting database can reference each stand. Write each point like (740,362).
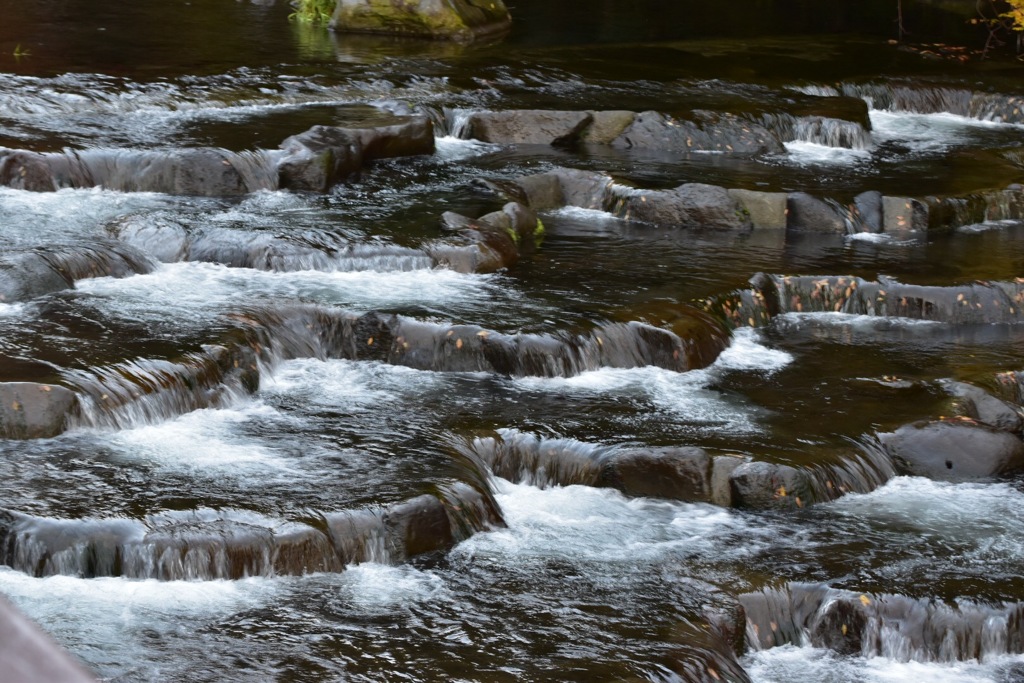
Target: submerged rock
(969,304)
(459,20)
(850,623)
(26,275)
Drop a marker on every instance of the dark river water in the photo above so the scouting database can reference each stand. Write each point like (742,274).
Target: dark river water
(582,582)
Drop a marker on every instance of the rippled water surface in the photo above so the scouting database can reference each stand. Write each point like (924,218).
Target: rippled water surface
(178,449)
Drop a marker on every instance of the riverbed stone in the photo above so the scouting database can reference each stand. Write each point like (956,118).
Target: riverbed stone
(323,156)
(605,126)
(674,473)
(456,20)
(416,527)
(24,170)
(26,275)
(978,404)
(902,215)
(722,467)
(954,450)
(769,485)
(707,132)
(767,210)
(693,205)
(867,211)
(528,126)
(807,213)
(35,411)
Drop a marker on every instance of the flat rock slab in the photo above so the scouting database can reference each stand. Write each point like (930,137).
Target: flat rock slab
(528,126)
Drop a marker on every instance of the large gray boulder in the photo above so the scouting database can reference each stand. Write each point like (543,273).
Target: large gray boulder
(954,450)
(528,126)
(26,275)
(694,205)
(705,132)
(810,214)
(673,473)
(35,411)
(458,20)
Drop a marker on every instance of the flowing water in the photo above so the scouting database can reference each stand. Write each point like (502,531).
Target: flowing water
(232,500)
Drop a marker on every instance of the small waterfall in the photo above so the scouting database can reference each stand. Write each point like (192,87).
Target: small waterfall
(830,132)
(195,172)
(918,100)
(863,471)
(526,459)
(210,544)
(169,240)
(973,304)
(937,99)
(893,626)
(457,122)
(819,130)
(99,260)
(149,391)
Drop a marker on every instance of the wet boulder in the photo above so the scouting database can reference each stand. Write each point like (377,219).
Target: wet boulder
(528,126)
(26,275)
(954,450)
(323,156)
(163,238)
(810,214)
(695,205)
(978,404)
(769,485)
(99,260)
(904,214)
(457,20)
(35,411)
(585,189)
(490,243)
(765,210)
(605,126)
(706,132)
(722,467)
(867,212)
(23,170)
(416,527)
(674,473)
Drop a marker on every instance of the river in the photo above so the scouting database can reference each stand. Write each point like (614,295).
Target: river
(251,482)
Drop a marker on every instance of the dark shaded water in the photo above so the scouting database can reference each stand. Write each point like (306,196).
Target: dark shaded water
(584,583)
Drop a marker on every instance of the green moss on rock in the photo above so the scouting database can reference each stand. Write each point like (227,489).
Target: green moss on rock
(461,20)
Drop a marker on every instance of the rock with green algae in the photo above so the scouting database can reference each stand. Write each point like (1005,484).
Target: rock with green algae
(459,20)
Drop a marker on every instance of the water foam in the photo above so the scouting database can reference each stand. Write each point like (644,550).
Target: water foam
(792,663)
(181,291)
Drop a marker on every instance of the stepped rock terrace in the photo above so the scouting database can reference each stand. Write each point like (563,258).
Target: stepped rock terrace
(604,350)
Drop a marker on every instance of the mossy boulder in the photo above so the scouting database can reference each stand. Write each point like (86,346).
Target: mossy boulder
(459,20)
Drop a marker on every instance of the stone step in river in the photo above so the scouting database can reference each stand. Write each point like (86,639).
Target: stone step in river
(607,352)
